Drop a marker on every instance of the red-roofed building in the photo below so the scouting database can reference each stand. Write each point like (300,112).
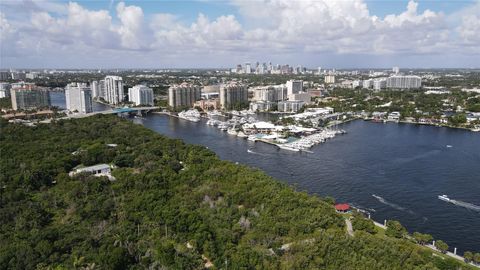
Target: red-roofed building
(342,207)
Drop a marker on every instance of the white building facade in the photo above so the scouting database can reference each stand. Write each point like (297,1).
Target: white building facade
(140,95)
(294,86)
(4,90)
(114,90)
(404,82)
(290,106)
(78,97)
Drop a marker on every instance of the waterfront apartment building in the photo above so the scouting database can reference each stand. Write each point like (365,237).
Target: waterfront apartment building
(329,78)
(232,94)
(290,106)
(29,98)
(294,86)
(140,95)
(272,93)
(114,93)
(4,90)
(404,82)
(184,94)
(78,97)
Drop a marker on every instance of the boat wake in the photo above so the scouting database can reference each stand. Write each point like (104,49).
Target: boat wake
(417,157)
(255,153)
(467,205)
(395,206)
(460,203)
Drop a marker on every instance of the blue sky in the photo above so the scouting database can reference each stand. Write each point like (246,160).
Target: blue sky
(159,34)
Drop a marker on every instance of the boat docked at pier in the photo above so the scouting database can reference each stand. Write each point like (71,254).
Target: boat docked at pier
(190,115)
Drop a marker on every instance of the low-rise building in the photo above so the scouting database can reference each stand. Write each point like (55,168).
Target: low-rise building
(96,170)
(208,104)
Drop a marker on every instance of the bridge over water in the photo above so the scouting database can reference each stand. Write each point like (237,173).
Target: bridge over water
(125,110)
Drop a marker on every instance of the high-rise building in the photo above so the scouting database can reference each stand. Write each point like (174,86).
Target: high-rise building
(294,86)
(18,75)
(32,75)
(356,83)
(78,97)
(367,84)
(271,93)
(404,82)
(28,98)
(379,84)
(300,96)
(94,86)
(290,106)
(248,68)
(232,94)
(4,75)
(113,90)
(329,78)
(396,70)
(4,90)
(140,95)
(184,94)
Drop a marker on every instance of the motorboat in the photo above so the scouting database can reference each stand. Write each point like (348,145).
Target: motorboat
(444,198)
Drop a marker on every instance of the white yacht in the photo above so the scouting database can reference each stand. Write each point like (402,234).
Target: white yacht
(190,115)
(444,198)
(232,131)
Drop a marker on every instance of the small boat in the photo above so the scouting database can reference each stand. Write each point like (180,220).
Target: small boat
(241,134)
(231,131)
(444,198)
(284,147)
(449,146)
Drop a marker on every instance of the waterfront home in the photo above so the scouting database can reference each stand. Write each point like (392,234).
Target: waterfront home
(394,116)
(473,116)
(342,208)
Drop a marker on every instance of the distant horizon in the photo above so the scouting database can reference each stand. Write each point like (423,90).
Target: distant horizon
(229,68)
(341,34)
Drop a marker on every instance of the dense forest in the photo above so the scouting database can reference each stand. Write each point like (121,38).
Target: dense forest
(172,206)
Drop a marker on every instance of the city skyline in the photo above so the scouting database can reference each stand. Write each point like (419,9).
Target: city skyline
(220,34)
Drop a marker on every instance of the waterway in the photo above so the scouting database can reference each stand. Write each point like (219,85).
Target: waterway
(405,166)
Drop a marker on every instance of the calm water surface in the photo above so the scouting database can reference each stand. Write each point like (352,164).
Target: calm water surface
(406,166)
